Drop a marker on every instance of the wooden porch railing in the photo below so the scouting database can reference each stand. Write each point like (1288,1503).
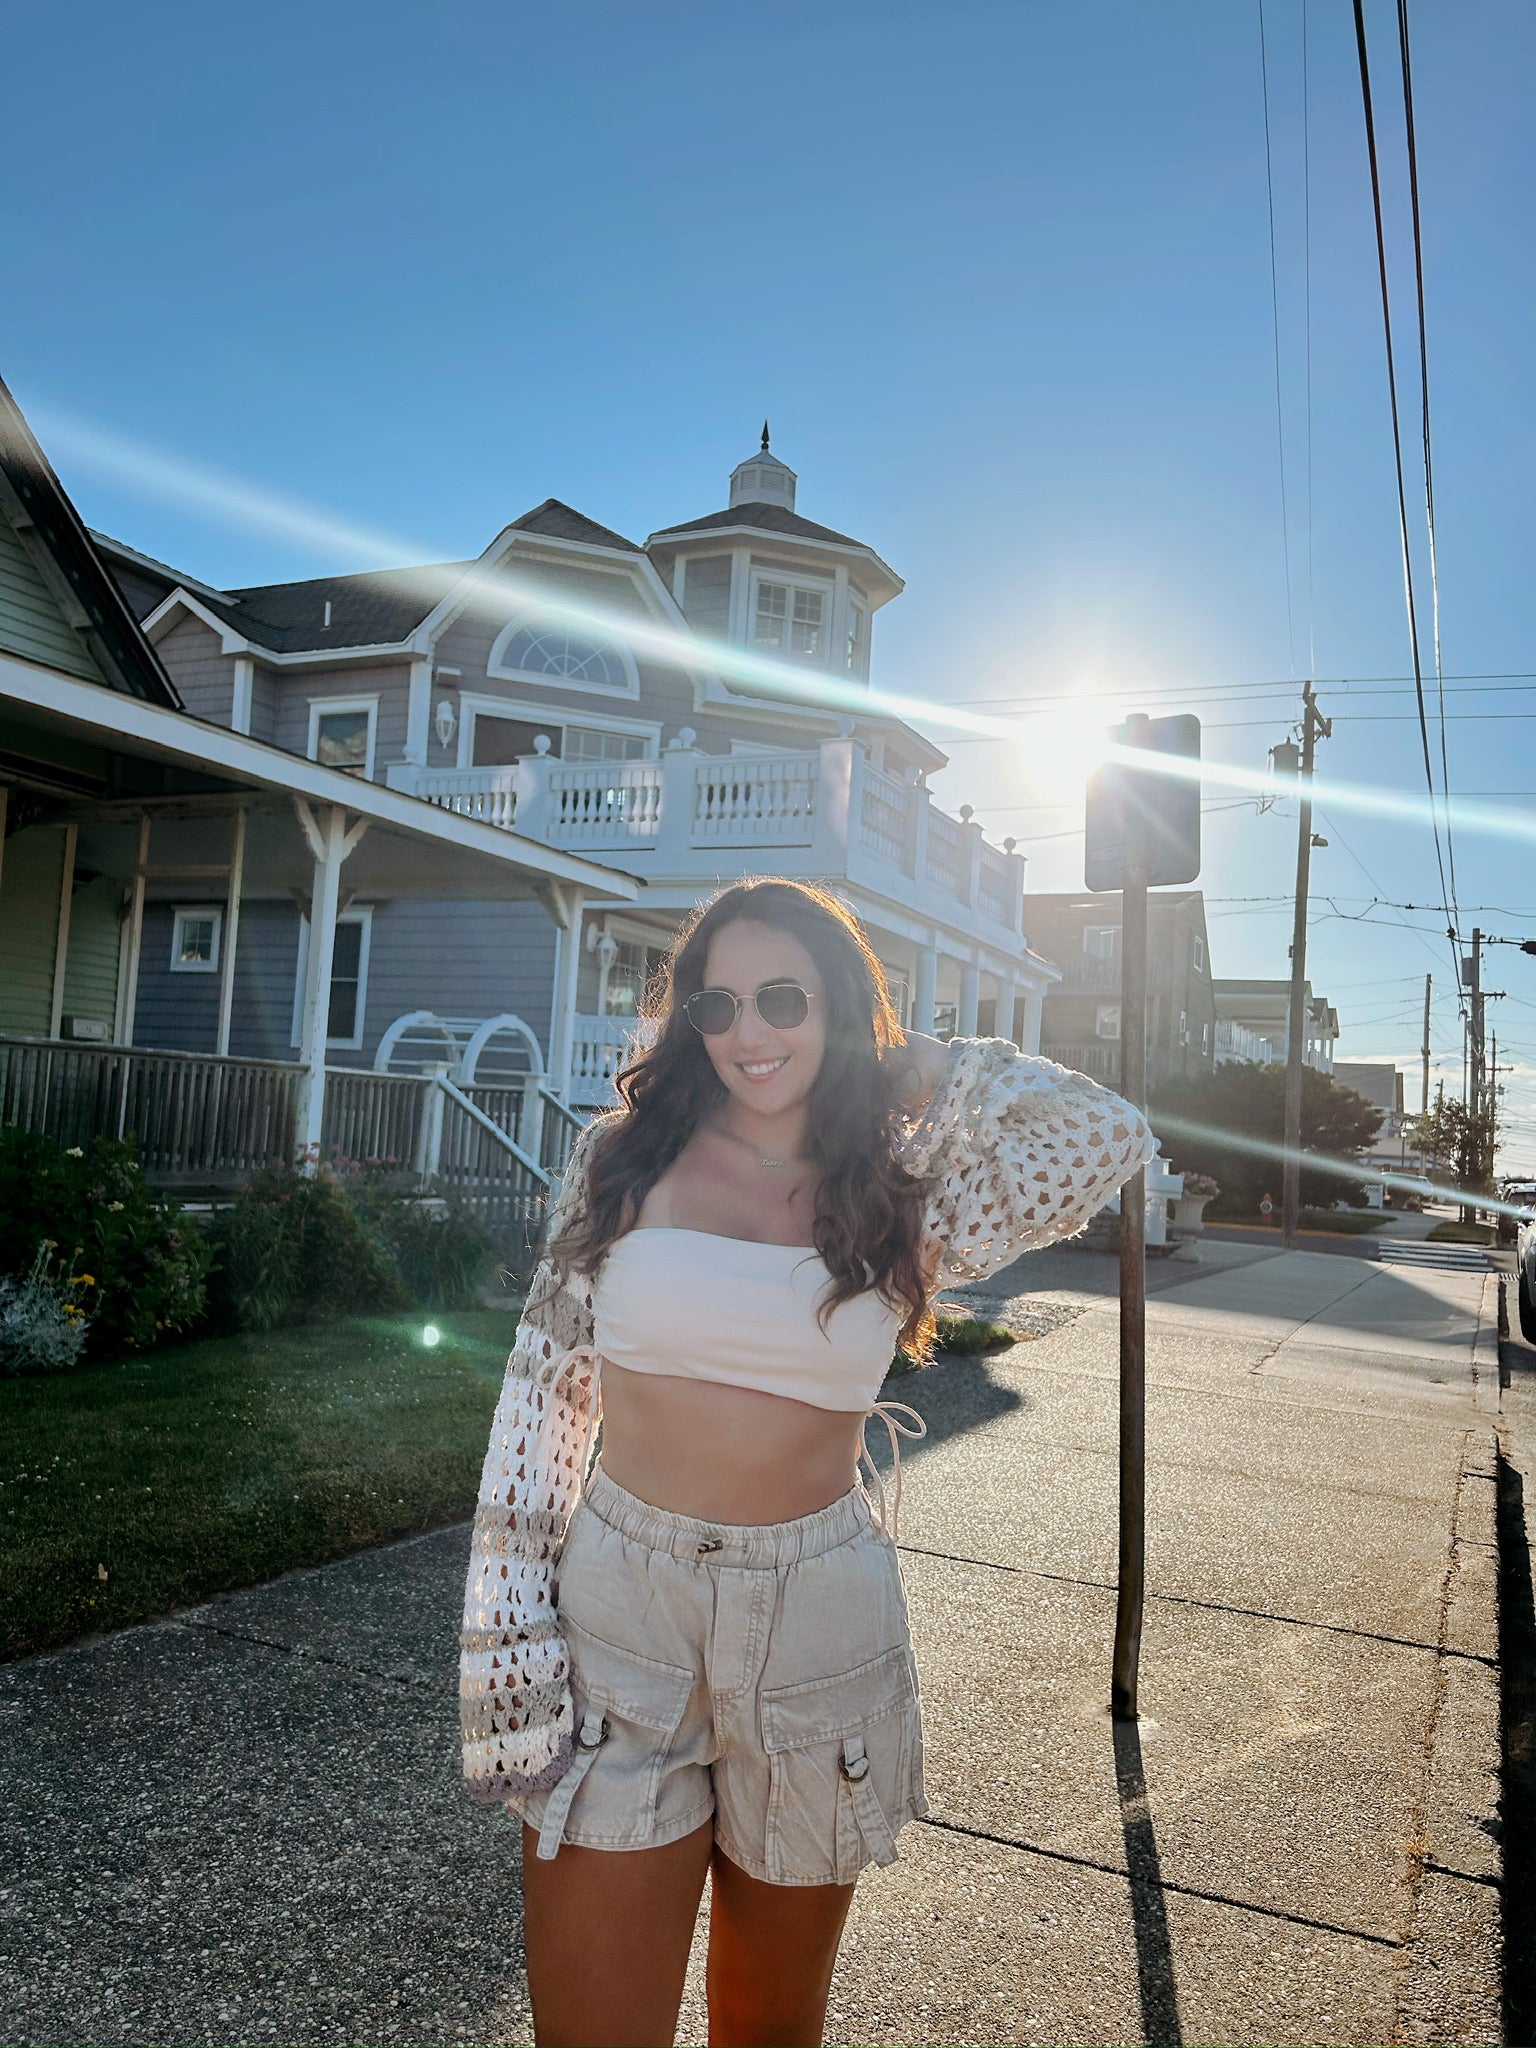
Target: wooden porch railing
(199,1121)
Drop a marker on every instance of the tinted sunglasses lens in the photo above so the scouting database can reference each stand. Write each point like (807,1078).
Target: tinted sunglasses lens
(783,1004)
(711,1011)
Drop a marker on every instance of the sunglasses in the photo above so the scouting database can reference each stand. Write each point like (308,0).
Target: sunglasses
(783,1004)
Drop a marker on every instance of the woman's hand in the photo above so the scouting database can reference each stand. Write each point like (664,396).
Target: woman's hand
(918,1067)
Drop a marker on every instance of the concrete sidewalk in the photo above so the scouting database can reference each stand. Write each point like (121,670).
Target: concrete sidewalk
(244,1824)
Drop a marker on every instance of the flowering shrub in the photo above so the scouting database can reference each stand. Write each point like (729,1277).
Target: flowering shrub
(149,1261)
(437,1247)
(43,1318)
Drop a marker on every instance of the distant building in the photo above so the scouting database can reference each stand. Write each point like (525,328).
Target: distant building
(1080,1025)
(1262,1009)
(1382,1087)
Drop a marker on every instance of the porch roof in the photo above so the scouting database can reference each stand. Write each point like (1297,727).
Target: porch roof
(413,848)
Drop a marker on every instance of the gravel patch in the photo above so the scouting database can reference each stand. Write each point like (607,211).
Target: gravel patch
(1026,1318)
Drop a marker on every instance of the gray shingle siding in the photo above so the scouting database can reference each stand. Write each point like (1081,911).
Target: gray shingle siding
(461,960)
(204,675)
(266,694)
(390,683)
(31,622)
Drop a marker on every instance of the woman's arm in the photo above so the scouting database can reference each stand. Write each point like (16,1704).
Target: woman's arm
(514,1668)
(1019,1152)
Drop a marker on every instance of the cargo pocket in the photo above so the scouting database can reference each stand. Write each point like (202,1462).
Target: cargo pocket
(842,1753)
(627,1712)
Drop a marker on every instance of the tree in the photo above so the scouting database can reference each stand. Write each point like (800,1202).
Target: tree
(1231,1125)
(1457,1146)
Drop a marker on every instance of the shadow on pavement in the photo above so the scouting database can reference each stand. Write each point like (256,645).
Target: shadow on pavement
(952,1395)
(1160,2027)
(1517,1717)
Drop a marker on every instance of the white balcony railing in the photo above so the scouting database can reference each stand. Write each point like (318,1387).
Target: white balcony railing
(826,811)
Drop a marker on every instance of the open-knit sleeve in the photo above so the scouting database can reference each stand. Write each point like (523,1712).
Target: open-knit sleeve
(514,1669)
(1019,1152)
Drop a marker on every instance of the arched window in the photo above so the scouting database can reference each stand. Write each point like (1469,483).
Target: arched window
(558,654)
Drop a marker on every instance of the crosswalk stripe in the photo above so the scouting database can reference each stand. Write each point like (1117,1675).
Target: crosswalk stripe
(1457,1258)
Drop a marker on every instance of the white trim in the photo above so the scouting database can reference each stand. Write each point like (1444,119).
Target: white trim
(324,707)
(61,939)
(767,536)
(113,719)
(214,913)
(478,581)
(418,711)
(527,621)
(475,704)
(244,692)
(824,587)
(355,913)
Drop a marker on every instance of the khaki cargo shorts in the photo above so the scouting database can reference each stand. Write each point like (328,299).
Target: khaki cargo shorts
(763,1675)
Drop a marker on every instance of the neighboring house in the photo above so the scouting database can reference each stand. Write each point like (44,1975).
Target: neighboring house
(636,706)
(1263,1009)
(1081,1028)
(1382,1087)
(150,862)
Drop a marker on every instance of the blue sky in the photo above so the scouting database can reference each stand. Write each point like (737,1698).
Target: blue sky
(1000,277)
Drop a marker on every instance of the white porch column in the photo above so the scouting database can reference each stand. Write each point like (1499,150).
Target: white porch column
(833,823)
(61,942)
(970,997)
(128,960)
(231,934)
(418,712)
(1007,1002)
(330,841)
(244,693)
(925,987)
(566,906)
(1029,1034)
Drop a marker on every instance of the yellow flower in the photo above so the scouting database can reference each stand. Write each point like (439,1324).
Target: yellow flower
(87,1280)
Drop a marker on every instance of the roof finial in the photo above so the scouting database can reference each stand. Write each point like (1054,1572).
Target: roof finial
(765,437)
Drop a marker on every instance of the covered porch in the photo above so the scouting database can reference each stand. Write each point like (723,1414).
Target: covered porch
(110,805)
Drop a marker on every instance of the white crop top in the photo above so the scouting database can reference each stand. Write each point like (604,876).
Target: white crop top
(729,1309)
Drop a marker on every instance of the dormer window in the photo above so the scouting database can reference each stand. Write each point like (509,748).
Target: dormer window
(790,618)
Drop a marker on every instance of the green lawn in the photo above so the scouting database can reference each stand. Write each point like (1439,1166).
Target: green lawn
(130,1489)
(1457,1232)
(1332,1222)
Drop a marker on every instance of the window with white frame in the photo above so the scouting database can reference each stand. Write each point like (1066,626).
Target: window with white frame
(1106,1021)
(1102,941)
(791,618)
(588,743)
(1183,1027)
(1199,954)
(1205,1037)
(635,966)
(901,994)
(341,733)
(196,931)
(348,999)
(557,654)
(946,1020)
(853,646)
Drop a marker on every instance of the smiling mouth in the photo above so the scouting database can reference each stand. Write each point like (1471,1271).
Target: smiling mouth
(759,1070)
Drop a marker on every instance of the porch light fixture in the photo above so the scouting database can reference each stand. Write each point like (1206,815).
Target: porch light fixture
(446,723)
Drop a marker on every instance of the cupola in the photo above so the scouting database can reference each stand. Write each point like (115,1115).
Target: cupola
(763,480)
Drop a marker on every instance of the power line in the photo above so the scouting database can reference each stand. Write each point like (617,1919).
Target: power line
(1429,467)
(1492,681)
(1397,449)
(1274,304)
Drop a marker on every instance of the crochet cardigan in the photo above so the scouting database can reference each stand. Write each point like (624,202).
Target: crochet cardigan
(1016,1151)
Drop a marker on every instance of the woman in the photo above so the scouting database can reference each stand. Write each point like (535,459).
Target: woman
(726,1684)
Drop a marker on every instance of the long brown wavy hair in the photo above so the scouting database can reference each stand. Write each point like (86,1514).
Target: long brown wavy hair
(869,1209)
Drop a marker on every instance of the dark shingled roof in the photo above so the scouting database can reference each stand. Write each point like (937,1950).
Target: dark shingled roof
(564,522)
(377,608)
(772,518)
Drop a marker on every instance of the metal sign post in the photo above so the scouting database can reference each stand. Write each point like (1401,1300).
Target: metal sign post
(1142,828)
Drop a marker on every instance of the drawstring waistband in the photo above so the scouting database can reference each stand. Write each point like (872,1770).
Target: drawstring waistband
(895,1430)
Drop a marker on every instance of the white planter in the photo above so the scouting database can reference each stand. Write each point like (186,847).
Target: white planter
(1189,1214)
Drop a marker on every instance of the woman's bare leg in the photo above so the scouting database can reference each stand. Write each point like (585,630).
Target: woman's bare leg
(607,1934)
(771,1952)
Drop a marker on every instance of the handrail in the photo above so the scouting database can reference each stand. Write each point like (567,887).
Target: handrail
(561,1109)
(494,1129)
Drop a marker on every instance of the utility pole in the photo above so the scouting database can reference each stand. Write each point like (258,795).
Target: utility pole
(1313,727)
(1424,1048)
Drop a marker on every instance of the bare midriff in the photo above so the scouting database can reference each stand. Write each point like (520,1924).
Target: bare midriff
(724,1454)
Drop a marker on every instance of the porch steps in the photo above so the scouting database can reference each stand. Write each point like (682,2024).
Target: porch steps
(1449,1258)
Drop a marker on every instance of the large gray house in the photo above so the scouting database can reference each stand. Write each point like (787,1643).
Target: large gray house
(683,712)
